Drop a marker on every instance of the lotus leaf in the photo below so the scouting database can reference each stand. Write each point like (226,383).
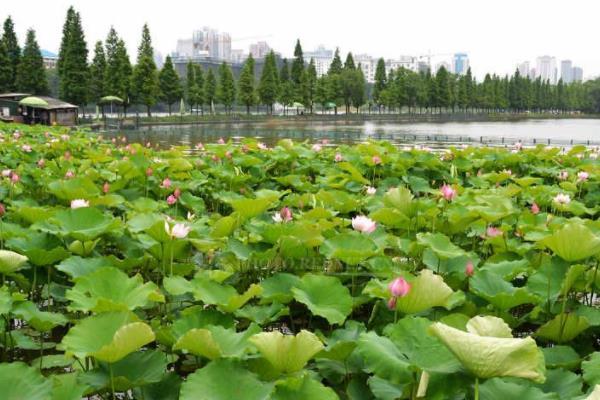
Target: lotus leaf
(324,296)
(286,353)
(215,342)
(573,242)
(19,382)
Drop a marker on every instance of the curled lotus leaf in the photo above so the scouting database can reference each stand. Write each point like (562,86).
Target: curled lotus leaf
(11,261)
(427,290)
(287,353)
(573,242)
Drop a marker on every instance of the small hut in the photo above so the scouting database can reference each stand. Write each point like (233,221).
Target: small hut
(10,111)
(48,111)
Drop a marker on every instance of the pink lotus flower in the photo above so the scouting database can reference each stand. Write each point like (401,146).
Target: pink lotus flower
(399,287)
(26,148)
(518,146)
(363,224)
(469,268)
(324,141)
(41,163)
(149,171)
(166,183)
(535,209)
(563,175)
(177,193)
(64,137)
(228,155)
(69,175)
(221,141)
(286,214)
(391,303)
(448,192)
(179,231)
(562,198)
(79,203)
(2,210)
(376,160)
(338,157)
(492,232)
(171,200)
(371,191)
(14,178)
(582,176)
(105,188)
(199,146)
(316,147)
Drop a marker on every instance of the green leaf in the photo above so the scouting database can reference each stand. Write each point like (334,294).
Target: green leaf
(6,300)
(279,288)
(76,266)
(41,321)
(11,261)
(21,382)
(441,245)
(427,290)
(110,289)
(573,242)
(567,384)
(286,353)
(563,328)
(76,188)
(498,292)
(108,337)
(224,380)
(324,296)
(591,369)
(302,388)
(488,357)
(561,357)
(224,296)
(215,342)
(489,326)
(83,224)
(351,248)
(498,389)
(383,358)
(67,387)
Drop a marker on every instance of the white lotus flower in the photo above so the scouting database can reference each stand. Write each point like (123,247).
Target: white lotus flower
(363,224)
(371,190)
(562,198)
(178,231)
(79,203)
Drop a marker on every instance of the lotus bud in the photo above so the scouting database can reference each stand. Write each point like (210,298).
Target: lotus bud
(469,268)
(399,287)
(171,200)
(363,224)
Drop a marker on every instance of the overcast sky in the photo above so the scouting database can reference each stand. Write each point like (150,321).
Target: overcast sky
(497,35)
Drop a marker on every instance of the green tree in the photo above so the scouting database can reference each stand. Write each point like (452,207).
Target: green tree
(246,85)
(97,73)
(336,64)
(286,86)
(269,82)
(297,71)
(5,69)
(443,88)
(358,89)
(210,90)
(226,87)
(73,70)
(322,91)
(145,88)
(199,95)
(349,63)
(168,81)
(309,85)
(192,89)
(31,76)
(380,83)
(9,38)
(117,81)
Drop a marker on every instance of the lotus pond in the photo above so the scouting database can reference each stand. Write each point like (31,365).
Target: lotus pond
(298,271)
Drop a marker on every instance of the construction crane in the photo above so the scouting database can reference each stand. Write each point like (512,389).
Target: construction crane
(429,55)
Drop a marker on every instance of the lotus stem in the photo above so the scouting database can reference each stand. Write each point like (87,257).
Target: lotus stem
(112,381)
(476,388)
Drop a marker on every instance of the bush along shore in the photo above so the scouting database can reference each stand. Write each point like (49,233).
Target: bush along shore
(299,271)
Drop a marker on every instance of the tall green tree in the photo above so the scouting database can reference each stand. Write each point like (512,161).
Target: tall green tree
(246,86)
(31,76)
(442,80)
(358,89)
(6,82)
(200,94)
(269,82)
(380,83)
(349,63)
(309,85)
(168,81)
(73,70)
(194,87)
(97,73)
(226,87)
(334,80)
(9,38)
(297,71)
(286,86)
(145,87)
(117,80)
(210,90)
(336,64)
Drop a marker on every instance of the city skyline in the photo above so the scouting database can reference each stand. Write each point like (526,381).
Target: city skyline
(492,45)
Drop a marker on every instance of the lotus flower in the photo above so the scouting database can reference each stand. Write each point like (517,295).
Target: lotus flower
(563,175)
(171,200)
(221,141)
(391,304)
(277,218)
(469,268)
(338,157)
(316,147)
(492,232)
(363,224)
(26,148)
(262,146)
(562,198)
(79,203)
(41,163)
(535,209)
(371,190)
(448,192)
(582,176)
(399,287)
(149,171)
(2,210)
(166,183)
(376,160)
(14,178)
(6,173)
(177,193)
(69,175)
(179,231)
(199,146)
(106,187)
(286,214)
(325,141)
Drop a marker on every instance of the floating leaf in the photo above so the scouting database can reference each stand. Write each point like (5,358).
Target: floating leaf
(563,328)
(573,242)
(351,248)
(440,244)
(324,296)
(19,381)
(427,290)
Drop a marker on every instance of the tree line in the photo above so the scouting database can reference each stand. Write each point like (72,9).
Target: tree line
(291,83)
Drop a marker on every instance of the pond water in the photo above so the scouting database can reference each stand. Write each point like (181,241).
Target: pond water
(559,132)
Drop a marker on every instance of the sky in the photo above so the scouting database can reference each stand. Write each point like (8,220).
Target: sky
(497,34)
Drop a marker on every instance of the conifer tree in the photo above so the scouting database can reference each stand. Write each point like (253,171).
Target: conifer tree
(145,88)
(336,64)
(73,72)
(269,82)
(117,79)
(31,76)
(210,90)
(191,87)
(380,83)
(286,86)
(349,63)
(309,84)
(297,70)
(170,87)
(246,89)
(9,38)
(6,82)
(226,87)
(199,95)
(97,73)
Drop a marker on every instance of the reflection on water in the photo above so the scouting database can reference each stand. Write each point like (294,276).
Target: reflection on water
(557,132)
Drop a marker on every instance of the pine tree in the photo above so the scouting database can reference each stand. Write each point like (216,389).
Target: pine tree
(118,67)
(97,73)
(286,86)
(297,70)
(226,87)
(191,87)
(145,88)
(349,63)
(199,95)
(31,76)
(358,89)
(246,89)
(269,82)
(72,65)
(210,90)
(336,64)
(309,84)
(5,69)
(170,87)
(380,82)
(9,38)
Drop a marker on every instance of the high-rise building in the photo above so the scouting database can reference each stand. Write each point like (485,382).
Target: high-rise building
(322,58)
(546,68)
(224,47)
(185,48)
(259,49)
(566,71)
(238,56)
(577,74)
(460,63)
(367,65)
(523,69)
(406,62)
(205,42)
